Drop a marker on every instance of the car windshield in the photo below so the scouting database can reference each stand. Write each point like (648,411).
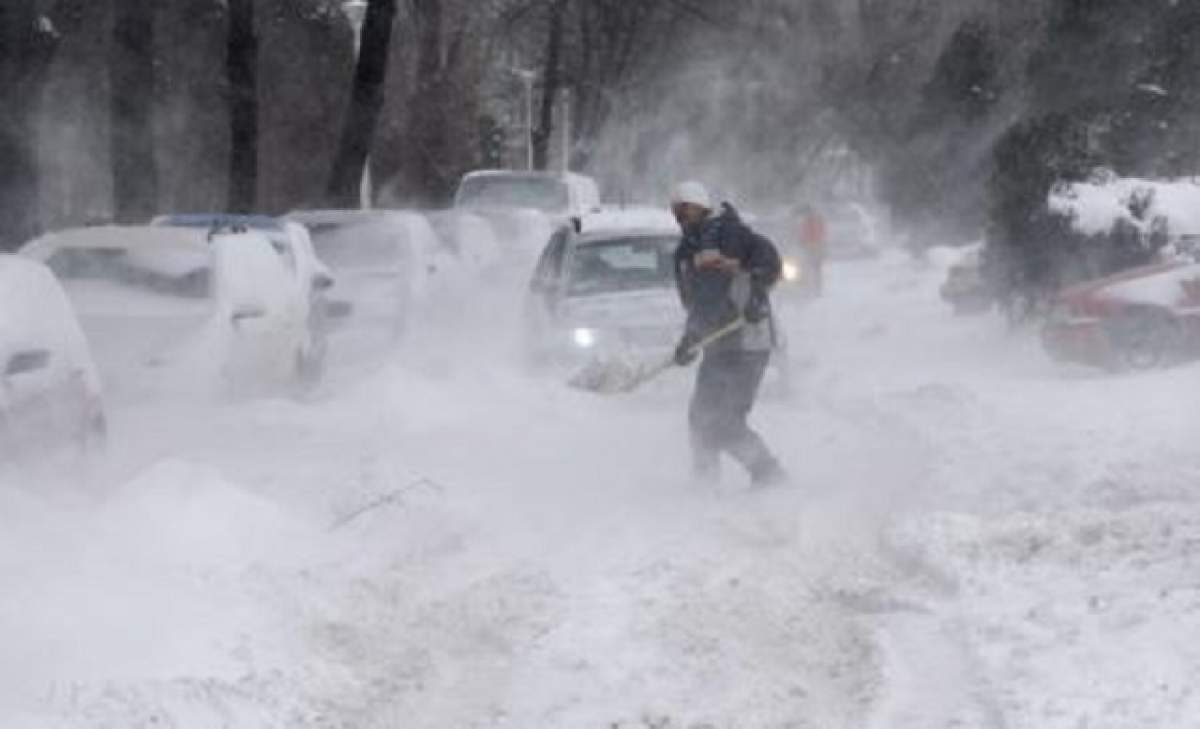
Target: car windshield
(622,264)
(355,245)
(514,191)
(183,273)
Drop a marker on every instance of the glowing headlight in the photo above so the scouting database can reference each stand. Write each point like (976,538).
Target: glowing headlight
(584,338)
(791,271)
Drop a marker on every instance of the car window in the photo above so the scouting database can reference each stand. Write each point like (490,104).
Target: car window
(172,272)
(550,263)
(355,246)
(504,191)
(622,264)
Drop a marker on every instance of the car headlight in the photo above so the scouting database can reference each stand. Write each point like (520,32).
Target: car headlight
(791,270)
(584,338)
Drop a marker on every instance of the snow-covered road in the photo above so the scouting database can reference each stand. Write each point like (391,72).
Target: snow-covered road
(975,538)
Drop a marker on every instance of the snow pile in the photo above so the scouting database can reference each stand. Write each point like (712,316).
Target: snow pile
(1078,619)
(1096,207)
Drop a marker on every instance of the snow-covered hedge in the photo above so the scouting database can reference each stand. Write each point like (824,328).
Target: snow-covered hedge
(1107,203)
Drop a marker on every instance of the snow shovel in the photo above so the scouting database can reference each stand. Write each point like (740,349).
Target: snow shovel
(621,376)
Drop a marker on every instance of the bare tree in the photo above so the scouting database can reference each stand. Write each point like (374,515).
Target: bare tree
(131,77)
(552,81)
(366,102)
(242,70)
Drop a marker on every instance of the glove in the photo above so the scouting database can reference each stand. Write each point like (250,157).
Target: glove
(757,308)
(684,352)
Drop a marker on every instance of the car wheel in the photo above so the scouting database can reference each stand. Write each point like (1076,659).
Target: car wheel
(1145,339)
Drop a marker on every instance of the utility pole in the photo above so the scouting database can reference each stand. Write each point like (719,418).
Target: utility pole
(528,77)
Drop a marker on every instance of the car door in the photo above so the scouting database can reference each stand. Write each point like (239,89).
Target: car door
(258,310)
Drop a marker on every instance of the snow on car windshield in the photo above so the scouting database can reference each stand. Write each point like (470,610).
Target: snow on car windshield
(622,264)
(514,191)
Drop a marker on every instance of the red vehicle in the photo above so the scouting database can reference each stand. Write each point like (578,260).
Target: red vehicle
(1138,319)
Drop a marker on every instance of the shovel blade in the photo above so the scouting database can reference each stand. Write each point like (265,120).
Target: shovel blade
(613,375)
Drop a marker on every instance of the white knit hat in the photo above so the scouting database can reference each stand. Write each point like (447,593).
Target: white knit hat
(692,192)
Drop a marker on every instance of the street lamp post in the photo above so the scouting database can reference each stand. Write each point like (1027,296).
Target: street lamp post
(528,77)
(356,13)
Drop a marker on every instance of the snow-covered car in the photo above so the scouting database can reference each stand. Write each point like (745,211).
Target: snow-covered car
(308,274)
(558,195)
(609,292)
(965,288)
(50,391)
(783,228)
(382,261)
(193,305)
(1139,319)
(468,237)
(525,208)
(850,231)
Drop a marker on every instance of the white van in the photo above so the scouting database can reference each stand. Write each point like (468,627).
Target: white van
(563,196)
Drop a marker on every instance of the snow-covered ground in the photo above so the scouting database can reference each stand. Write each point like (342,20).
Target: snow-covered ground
(436,538)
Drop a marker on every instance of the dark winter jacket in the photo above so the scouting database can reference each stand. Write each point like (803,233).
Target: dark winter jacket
(714,298)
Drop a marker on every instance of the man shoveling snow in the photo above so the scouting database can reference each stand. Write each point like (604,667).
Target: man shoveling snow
(724,272)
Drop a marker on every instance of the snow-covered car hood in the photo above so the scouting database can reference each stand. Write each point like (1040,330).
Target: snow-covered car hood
(644,308)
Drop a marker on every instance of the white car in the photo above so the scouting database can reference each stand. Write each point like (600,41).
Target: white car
(50,392)
(309,275)
(603,293)
(184,304)
(557,195)
(468,237)
(383,262)
(525,208)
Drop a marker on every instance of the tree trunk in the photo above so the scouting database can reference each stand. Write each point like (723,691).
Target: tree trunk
(551,84)
(27,44)
(242,71)
(427,126)
(131,79)
(366,101)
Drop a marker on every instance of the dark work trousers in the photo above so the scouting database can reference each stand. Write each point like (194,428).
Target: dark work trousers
(726,387)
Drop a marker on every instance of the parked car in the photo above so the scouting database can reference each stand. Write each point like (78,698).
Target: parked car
(1139,319)
(381,260)
(558,195)
(850,231)
(156,300)
(470,238)
(801,271)
(525,208)
(307,273)
(603,292)
(965,288)
(50,394)
(608,292)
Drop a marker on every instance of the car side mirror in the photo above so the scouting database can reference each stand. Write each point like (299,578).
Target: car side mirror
(247,311)
(27,361)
